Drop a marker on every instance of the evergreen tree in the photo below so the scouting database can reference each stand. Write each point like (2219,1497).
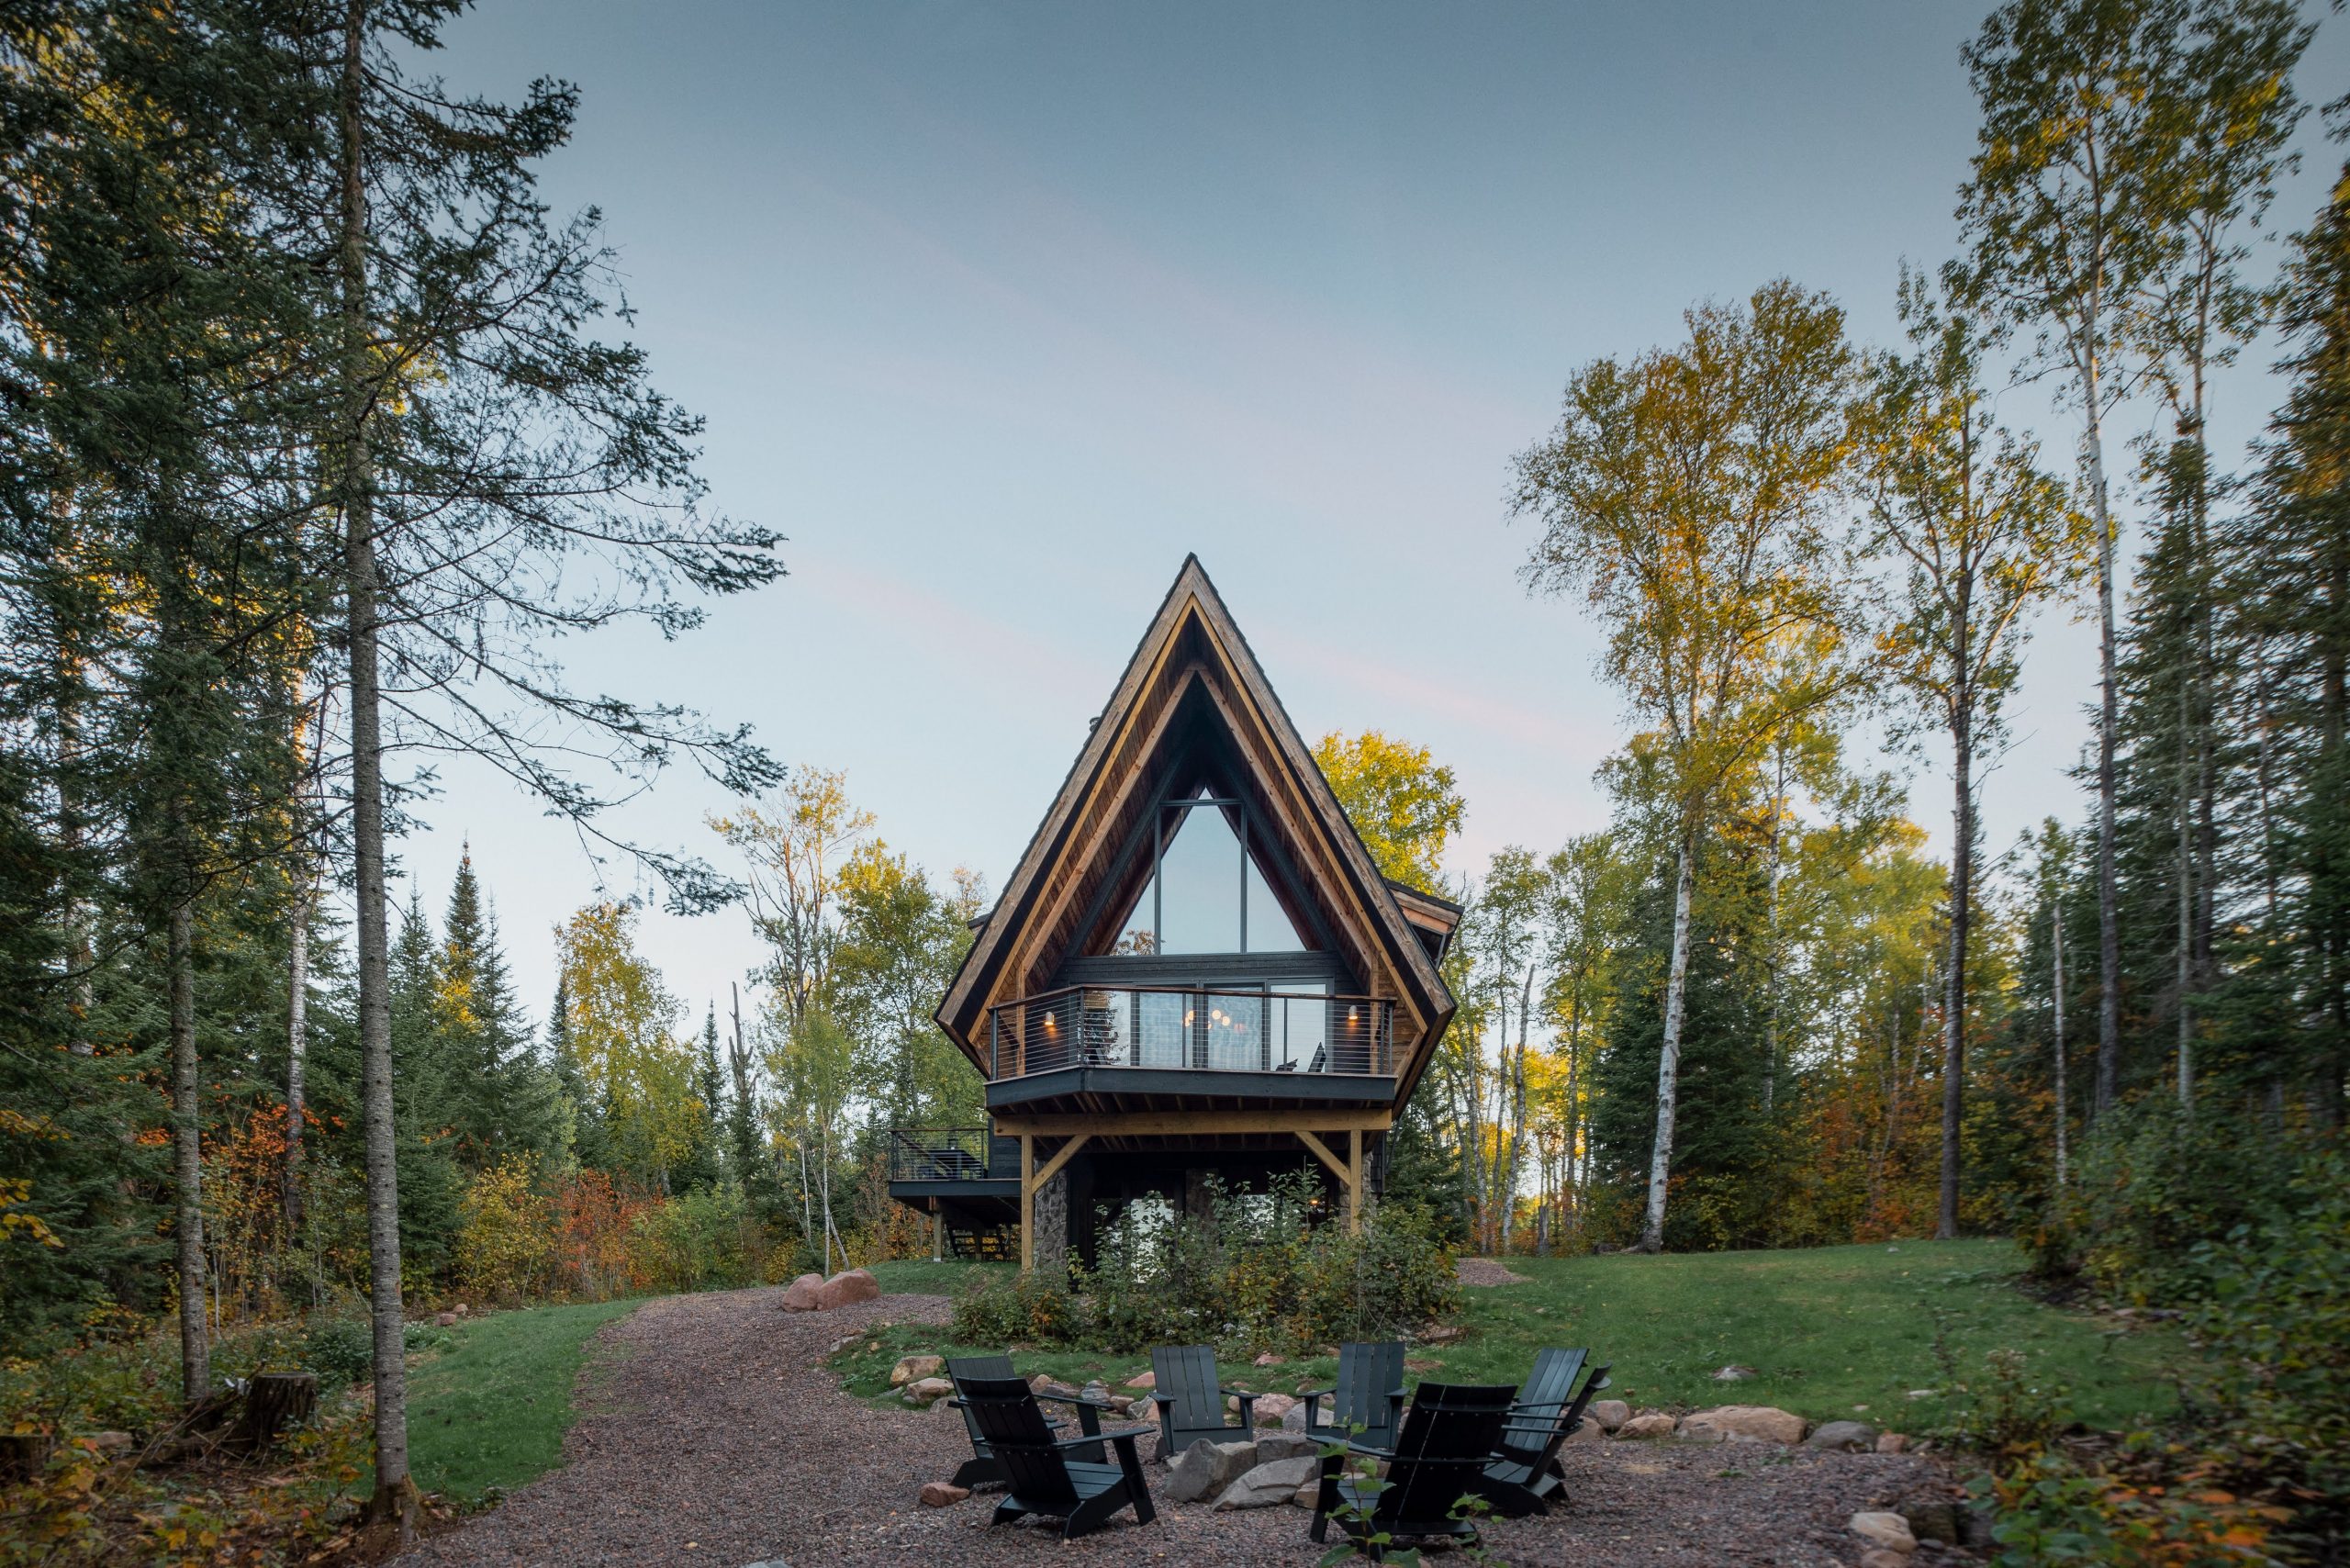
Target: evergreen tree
(428,1082)
(506,1098)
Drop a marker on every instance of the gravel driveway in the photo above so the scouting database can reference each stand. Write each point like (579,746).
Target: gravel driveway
(711,1436)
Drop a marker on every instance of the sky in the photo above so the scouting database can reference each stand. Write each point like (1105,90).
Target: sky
(997,311)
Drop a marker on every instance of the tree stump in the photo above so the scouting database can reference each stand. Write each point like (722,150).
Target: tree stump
(274,1401)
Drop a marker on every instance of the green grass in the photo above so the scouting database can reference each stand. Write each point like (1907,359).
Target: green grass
(1830,1332)
(486,1410)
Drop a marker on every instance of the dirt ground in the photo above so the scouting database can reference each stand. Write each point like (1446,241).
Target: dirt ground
(712,1434)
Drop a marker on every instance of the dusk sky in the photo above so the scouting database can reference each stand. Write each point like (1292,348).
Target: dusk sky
(999,310)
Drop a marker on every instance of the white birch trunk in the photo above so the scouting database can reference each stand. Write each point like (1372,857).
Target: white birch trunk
(1668,1067)
(187,1158)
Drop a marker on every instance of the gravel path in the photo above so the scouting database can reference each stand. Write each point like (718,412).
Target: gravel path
(711,1436)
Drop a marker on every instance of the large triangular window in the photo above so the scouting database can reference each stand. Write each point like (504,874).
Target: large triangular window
(1206,892)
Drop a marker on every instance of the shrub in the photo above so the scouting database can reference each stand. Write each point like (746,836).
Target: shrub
(1016,1308)
(508,1251)
(341,1350)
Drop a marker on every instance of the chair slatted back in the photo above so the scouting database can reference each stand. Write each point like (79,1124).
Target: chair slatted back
(960,1367)
(1367,1375)
(1550,1388)
(1009,1420)
(1186,1375)
(1450,1434)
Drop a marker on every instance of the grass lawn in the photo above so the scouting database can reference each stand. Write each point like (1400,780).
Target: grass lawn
(1830,1332)
(487,1409)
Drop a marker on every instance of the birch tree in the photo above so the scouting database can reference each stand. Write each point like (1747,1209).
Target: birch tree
(2058,215)
(1687,495)
(1975,539)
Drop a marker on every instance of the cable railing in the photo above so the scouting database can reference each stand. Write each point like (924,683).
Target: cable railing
(1192,1029)
(938,1154)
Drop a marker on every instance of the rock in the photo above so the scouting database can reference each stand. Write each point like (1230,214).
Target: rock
(1293,1419)
(928,1390)
(1884,1557)
(1053,1386)
(1734,1374)
(1141,1409)
(851,1285)
(1844,1437)
(110,1442)
(1308,1496)
(1266,1485)
(1147,1379)
(444,1320)
(1270,1408)
(1097,1391)
(1266,1359)
(1272,1446)
(1891,1442)
(1888,1531)
(1933,1519)
(909,1368)
(1742,1424)
(1652,1425)
(1587,1431)
(942,1493)
(805,1294)
(1438,1334)
(1610,1413)
(462,1309)
(1205,1469)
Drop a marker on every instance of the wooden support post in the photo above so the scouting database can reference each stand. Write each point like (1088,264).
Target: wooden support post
(1354,1181)
(1060,1158)
(1027,1202)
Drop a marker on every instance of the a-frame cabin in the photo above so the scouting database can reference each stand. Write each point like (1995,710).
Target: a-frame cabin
(1194,969)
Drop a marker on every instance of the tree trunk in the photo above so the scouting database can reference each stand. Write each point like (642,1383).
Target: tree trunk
(1961,878)
(298,1037)
(1517,1114)
(1771,950)
(1668,1067)
(2057,1008)
(396,1494)
(2185,964)
(187,1155)
(2108,930)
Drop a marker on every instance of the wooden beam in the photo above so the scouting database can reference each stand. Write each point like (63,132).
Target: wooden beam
(1354,1182)
(1322,1153)
(1174,1124)
(1053,1166)
(1027,1202)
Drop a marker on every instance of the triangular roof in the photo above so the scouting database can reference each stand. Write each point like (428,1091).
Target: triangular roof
(1193,673)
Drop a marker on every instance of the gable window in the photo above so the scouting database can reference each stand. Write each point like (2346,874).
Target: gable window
(1205,892)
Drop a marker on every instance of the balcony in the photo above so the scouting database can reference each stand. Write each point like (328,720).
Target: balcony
(1300,1043)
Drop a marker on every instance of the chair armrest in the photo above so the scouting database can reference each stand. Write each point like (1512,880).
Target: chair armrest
(1091,1439)
(1238,1394)
(1162,1400)
(1080,1399)
(1371,1450)
(1315,1393)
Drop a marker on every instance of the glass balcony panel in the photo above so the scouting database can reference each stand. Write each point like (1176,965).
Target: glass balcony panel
(1301,1028)
(1166,1028)
(1234,1029)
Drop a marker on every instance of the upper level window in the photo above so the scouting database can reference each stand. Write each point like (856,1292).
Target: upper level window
(1207,893)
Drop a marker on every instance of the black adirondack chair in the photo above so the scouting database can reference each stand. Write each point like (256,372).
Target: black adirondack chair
(982,1469)
(1447,1439)
(1369,1393)
(1524,1476)
(1043,1473)
(1190,1397)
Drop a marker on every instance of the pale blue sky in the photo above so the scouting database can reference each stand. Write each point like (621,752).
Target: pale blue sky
(999,310)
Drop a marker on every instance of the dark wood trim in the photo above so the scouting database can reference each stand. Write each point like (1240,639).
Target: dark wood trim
(1181,970)
(1202,1084)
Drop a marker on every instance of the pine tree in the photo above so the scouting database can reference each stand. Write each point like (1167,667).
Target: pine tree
(504,1100)
(427,1078)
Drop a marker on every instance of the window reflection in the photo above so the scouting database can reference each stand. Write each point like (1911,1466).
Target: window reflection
(1207,892)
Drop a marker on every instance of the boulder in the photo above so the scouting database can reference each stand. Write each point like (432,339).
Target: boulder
(909,1368)
(1742,1424)
(928,1390)
(1844,1437)
(1293,1419)
(1610,1413)
(1891,1442)
(1888,1531)
(1266,1485)
(1652,1425)
(1308,1496)
(1932,1518)
(805,1294)
(1439,1334)
(1587,1431)
(1272,1446)
(1206,1468)
(444,1320)
(942,1493)
(1884,1557)
(1097,1391)
(1734,1374)
(1266,1359)
(1271,1407)
(1141,1409)
(850,1286)
(1147,1379)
